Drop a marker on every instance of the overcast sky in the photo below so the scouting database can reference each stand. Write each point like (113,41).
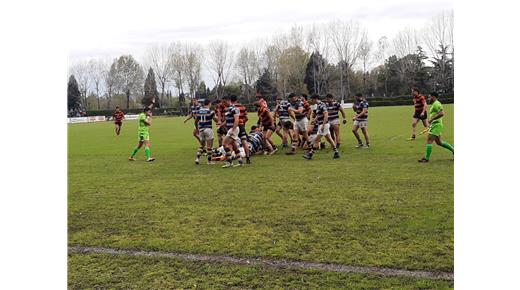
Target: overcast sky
(106,29)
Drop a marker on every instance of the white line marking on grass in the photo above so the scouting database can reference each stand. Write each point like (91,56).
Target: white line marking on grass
(267,262)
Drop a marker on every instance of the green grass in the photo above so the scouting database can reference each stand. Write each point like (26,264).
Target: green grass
(374,207)
(103,271)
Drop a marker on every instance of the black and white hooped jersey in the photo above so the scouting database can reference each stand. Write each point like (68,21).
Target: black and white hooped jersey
(358,108)
(194,109)
(205,118)
(296,106)
(333,109)
(230,113)
(283,110)
(321,108)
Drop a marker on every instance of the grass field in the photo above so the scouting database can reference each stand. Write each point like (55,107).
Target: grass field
(373,207)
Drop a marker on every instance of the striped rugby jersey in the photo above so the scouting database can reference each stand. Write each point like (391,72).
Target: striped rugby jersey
(358,108)
(333,109)
(283,110)
(419,102)
(205,118)
(296,106)
(229,115)
(321,108)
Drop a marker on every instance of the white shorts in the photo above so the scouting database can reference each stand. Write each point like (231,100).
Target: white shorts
(206,134)
(324,129)
(233,133)
(334,122)
(301,125)
(312,138)
(361,123)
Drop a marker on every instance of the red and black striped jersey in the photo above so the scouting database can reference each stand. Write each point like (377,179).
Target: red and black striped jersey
(265,117)
(419,103)
(118,116)
(306,107)
(219,110)
(242,118)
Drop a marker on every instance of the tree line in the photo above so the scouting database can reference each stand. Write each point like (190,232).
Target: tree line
(335,57)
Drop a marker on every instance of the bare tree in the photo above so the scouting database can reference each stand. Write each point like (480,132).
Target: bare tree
(192,67)
(381,55)
(406,42)
(247,68)
(109,80)
(97,68)
(220,62)
(81,71)
(177,66)
(346,38)
(439,32)
(159,58)
(129,76)
(365,54)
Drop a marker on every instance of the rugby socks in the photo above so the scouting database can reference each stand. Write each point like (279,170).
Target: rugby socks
(209,155)
(447,146)
(134,152)
(147,152)
(429,148)
(228,155)
(199,152)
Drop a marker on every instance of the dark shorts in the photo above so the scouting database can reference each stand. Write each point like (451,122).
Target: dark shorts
(119,123)
(417,115)
(288,125)
(242,133)
(269,127)
(222,130)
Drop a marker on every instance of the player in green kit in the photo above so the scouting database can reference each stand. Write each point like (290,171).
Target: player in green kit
(145,121)
(435,129)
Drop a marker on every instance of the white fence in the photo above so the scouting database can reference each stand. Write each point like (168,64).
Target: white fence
(90,119)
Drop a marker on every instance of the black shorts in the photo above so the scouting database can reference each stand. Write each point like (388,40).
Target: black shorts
(269,127)
(288,125)
(119,123)
(242,134)
(417,115)
(222,130)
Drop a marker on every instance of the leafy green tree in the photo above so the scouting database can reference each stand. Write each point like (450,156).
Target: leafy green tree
(317,76)
(150,90)
(73,94)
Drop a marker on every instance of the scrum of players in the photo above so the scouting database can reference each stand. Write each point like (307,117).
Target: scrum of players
(300,122)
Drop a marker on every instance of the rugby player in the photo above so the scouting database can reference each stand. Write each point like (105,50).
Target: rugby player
(296,110)
(436,127)
(360,120)
(283,114)
(118,117)
(242,134)
(279,128)
(144,121)
(334,108)
(203,121)
(322,121)
(420,111)
(266,120)
(255,140)
(220,107)
(232,115)
(193,110)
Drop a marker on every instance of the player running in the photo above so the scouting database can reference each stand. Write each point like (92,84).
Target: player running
(321,120)
(360,120)
(232,115)
(435,129)
(118,117)
(144,121)
(420,111)
(334,108)
(193,110)
(203,121)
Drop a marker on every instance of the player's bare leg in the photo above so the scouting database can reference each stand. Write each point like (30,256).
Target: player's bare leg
(414,129)
(365,133)
(209,146)
(335,129)
(355,129)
